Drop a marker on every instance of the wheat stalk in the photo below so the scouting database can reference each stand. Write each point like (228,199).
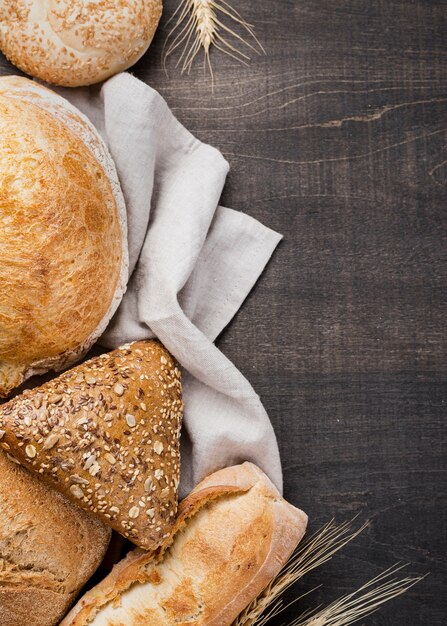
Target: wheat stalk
(366,600)
(315,551)
(312,553)
(198,25)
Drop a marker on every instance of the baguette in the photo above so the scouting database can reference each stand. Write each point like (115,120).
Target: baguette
(233,534)
(49,548)
(106,434)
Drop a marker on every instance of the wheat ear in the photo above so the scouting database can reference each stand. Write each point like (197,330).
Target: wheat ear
(198,25)
(366,600)
(312,553)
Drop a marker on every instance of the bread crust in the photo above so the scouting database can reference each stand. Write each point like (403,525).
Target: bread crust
(233,534)
(63,234)
(49,548)
(77,42)
(106,434)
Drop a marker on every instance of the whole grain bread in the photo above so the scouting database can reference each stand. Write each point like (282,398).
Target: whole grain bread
(233,534)
(49,548)
(106,435)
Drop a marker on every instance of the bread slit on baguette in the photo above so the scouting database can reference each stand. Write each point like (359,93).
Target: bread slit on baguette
(106,435)
(233,534)
(49,548)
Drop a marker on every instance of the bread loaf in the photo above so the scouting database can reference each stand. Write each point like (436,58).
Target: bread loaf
(63,260)
(106,434)
(233,535)
(48,549)
(76,42)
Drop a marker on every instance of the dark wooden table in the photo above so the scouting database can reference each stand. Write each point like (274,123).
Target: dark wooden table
(337,138)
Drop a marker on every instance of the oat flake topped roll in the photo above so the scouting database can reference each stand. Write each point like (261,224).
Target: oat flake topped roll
(106,434)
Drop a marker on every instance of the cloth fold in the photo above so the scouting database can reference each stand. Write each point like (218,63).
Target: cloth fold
(192,264)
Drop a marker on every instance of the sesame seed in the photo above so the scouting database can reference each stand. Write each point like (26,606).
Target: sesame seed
(158,447)
(90,380)
(89,462)
(76,491)
(148,484)
(50,441)
(55,398)
(118,389)
(78,480)
(130,420)
(2,433)
(110,458)
(134,512)
(94,469)
(30,451)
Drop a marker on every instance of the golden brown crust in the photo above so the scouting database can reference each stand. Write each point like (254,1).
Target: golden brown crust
(31,606)
(63,266)
(233,535)
(77,42)
(48,549)
(106,434)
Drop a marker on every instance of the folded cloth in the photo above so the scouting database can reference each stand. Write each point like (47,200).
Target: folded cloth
(192,264)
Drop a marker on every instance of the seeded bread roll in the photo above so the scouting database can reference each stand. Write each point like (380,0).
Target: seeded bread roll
(49,548)
(63,259)
(77,42)
(106,434)
(233,535)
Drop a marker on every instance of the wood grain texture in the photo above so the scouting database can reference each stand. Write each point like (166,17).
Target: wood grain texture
(337,138)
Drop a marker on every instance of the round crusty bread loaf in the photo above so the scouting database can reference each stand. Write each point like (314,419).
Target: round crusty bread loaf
(63,261)
(77,42)
(49,548)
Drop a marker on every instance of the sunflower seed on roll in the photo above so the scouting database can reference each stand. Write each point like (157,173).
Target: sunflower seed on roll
(77,42)
(125,474)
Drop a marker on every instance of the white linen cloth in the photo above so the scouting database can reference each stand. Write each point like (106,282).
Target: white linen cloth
(192,263)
